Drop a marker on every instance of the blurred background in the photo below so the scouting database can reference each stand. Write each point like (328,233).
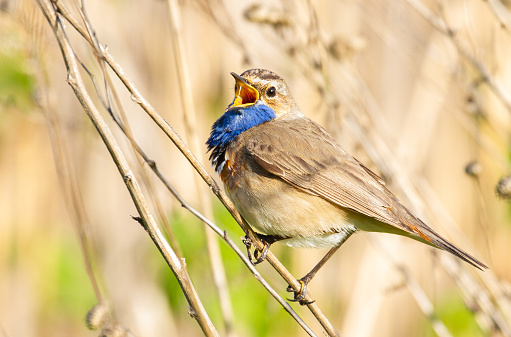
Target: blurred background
(418,91)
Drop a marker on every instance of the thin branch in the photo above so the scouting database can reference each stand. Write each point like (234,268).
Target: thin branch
(228,240)
(146,179)
(69,188)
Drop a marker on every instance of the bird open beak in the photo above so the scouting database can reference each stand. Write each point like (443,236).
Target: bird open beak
(245,93)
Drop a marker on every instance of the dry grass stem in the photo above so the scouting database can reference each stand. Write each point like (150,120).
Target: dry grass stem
(70,190)
(145,177)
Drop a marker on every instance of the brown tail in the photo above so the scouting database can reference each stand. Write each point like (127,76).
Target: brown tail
(431,237)
(449,247)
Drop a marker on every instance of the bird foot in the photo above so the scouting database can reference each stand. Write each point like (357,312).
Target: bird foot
(299,296)
(258,256)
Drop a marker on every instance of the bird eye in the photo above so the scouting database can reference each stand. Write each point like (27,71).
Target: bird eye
(271,92)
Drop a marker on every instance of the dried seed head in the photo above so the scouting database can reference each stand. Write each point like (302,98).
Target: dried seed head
(503,188)
(266,15)
(472,107)
(114,331)
(473,169)
(342,48)
(97,317)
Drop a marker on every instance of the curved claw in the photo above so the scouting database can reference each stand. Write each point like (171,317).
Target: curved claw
(259,255)
(248,243)
(264,252)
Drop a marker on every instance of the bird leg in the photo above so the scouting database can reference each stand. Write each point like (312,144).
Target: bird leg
(260,255)
(299,295)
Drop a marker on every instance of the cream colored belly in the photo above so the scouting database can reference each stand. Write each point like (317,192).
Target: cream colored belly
(283,210)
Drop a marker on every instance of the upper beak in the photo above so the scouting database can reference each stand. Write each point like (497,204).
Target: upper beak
(245,93)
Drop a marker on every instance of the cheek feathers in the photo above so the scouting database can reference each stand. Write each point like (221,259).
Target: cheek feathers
(280,105)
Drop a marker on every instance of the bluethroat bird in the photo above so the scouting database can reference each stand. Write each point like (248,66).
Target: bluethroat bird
(292,182)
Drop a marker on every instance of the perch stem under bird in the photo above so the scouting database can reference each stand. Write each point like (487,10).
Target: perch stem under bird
(292,182)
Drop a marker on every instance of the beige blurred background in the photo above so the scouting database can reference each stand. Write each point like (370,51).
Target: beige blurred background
(416,92)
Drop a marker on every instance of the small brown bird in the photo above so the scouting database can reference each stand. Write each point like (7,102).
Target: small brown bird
(292,182)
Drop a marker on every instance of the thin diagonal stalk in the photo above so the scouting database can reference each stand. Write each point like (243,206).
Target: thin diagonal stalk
(216,229)
(68,184)
(146,179)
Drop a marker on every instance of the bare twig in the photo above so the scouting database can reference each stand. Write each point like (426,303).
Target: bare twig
(70,190)
(228,240)
(146,179)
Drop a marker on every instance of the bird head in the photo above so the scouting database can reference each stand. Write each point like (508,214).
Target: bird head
(260,96)
(261,86)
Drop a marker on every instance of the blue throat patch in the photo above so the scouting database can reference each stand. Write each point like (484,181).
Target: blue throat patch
(232,123)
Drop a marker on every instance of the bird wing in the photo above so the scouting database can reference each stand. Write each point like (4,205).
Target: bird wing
(315,163)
